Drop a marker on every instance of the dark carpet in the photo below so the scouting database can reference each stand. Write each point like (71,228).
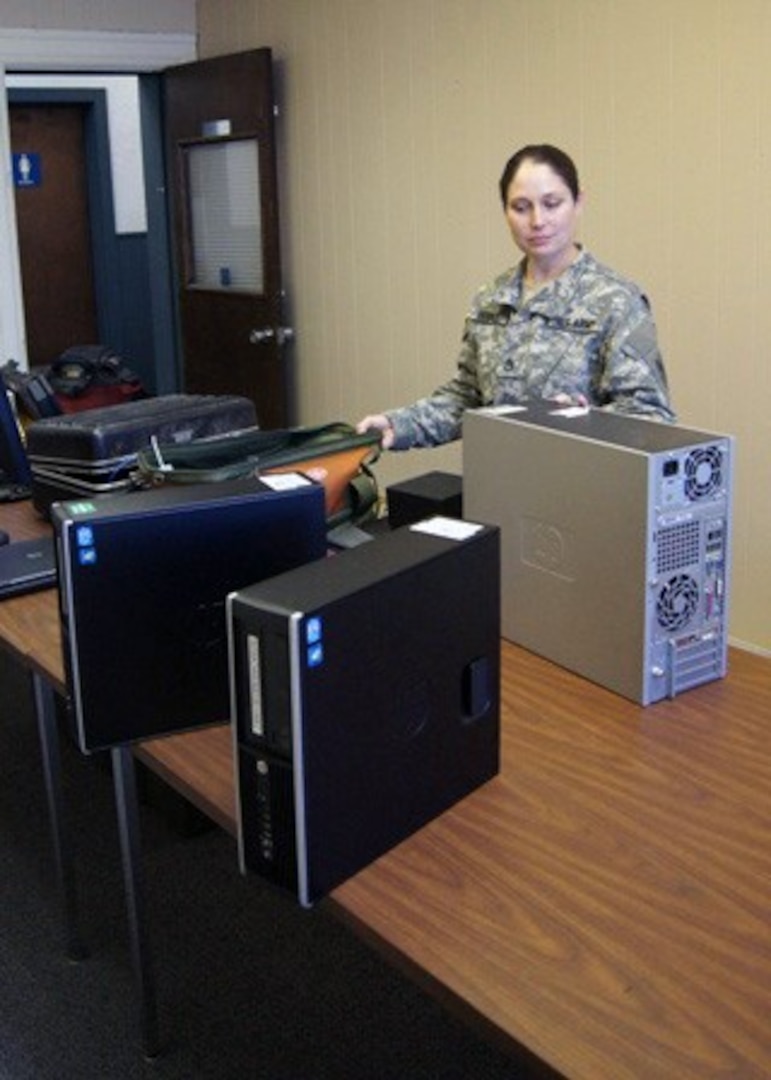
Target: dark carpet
(249,985)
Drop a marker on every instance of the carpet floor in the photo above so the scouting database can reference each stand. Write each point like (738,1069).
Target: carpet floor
(249,985)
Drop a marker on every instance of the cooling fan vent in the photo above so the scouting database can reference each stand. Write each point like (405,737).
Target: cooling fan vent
(678,547)
(678,602)
(703,472)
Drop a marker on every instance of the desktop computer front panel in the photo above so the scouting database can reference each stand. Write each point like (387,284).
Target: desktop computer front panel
(365,700)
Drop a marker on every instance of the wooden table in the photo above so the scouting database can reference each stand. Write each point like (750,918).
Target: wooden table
(604,902)
(29,625)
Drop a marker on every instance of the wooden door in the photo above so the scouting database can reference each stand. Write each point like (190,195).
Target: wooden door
(52,215)
(219,117)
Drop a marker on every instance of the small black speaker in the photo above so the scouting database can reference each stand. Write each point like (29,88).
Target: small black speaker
(423,496)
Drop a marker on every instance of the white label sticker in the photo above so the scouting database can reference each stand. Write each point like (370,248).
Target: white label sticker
(449,528)
(285,481)
(501,410)
(571,411)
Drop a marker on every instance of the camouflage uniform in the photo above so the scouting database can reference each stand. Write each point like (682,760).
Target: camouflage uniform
(590,332)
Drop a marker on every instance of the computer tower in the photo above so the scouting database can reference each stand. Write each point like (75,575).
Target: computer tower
(365,696)
(143,580)
(615,541)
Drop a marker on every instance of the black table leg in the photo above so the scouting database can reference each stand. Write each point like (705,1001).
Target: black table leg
(124,778)
(45,712)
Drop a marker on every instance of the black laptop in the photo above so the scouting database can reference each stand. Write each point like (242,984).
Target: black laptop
(26,566)
(15,474)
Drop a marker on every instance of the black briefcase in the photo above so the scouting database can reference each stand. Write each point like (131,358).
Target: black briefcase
(94,452)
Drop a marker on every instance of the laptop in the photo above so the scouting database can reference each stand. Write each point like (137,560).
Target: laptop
(15,473)
(27,565)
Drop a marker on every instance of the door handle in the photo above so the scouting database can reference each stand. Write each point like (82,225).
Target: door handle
(282,334)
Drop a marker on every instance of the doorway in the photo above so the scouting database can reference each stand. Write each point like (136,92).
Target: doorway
(137,306)
(124,235)
(46,63)
(48,143)
(219,118)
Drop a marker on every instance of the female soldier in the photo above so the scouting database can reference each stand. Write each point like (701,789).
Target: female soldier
(559,325)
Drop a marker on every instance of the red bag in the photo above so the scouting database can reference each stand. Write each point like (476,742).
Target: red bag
(90,376)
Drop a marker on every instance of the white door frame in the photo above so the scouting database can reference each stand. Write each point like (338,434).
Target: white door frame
(63,51)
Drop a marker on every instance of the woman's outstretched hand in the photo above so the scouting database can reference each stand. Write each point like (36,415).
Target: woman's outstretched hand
(382,424)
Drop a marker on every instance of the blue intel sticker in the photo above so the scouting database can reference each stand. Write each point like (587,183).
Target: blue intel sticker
(84,536)
(315,655)
(314,635)
(87,556)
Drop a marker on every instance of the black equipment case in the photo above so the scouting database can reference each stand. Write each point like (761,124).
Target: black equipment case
(94,452)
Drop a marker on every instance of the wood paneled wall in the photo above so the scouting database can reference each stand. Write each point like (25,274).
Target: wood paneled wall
(397,118)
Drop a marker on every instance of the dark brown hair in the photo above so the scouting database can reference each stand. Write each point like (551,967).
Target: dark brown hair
(544,154)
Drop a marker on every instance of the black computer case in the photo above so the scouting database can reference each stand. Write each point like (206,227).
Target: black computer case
(90,453)
(365,699)
(143,581)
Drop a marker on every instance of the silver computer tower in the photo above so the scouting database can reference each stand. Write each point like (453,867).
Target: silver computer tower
(615,541)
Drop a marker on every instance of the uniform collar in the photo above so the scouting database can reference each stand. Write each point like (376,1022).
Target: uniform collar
(561,288)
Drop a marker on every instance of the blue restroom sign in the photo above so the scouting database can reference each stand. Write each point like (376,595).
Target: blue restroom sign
(27,170)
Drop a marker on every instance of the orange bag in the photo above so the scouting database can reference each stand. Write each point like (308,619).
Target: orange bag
(334,454)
